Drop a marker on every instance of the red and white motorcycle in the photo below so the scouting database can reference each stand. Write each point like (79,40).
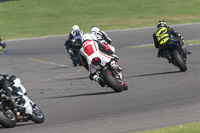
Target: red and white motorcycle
(102,64)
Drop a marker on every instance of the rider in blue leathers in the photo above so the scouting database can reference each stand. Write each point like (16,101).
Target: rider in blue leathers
(69,44)
(74,32)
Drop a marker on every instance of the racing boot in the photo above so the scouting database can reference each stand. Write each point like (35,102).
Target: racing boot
(183,47)
(115,66)
(99,80)
(164,55)
(169,58)
(188,52)
(185,50)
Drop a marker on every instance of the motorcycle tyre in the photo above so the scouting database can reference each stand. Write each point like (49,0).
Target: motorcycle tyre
(6,122)
(179,61)
(125,86)
(110,81)
(35,117)
(74,63)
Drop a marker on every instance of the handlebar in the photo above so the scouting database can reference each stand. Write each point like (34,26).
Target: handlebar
(4,76)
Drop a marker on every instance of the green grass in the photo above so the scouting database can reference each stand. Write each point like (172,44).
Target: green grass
(35,18)
(192,42)
(187,128)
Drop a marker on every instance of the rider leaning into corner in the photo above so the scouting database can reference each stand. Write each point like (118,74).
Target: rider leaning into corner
(73,33)
(162,37)
(12,86)
(102,37)
(2,45)
(93,52)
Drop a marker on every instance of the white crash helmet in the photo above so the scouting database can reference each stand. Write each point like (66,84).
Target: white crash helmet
(75,27)
(95,29)
(93,36)
(86,36)
(17,82)
(161,23)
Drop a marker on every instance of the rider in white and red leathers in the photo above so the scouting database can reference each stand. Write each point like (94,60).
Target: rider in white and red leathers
(91,55)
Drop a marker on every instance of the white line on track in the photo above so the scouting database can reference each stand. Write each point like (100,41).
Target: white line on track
(53,77)
(46,62)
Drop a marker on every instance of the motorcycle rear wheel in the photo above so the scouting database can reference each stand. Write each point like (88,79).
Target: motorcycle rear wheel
(111,81)
(8,119)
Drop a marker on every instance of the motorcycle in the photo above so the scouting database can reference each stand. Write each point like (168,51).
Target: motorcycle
(112,78)
(2,45)
(16,106)
(177,55)
(75,50)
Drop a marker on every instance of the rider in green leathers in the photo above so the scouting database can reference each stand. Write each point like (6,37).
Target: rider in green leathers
(162,37)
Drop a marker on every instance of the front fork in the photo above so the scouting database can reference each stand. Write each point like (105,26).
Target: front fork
(118,76)
(28,105)
(182,50)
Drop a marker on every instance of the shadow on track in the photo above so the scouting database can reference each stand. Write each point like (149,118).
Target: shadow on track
(81,95)
(19,125)
(152,74)
(59,68)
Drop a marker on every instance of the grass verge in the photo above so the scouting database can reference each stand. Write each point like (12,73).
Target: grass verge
(35,18)
(186,128)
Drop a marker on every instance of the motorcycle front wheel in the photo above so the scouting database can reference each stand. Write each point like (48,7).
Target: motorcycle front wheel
(125,86)
(37,116)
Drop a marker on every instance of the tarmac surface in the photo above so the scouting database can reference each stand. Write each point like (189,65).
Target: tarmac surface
(159,95)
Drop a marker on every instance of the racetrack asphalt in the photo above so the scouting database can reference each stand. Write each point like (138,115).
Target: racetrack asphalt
(159,95)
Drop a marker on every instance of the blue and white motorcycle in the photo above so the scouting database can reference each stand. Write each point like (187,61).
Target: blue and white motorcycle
(15,105)
(74,51)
